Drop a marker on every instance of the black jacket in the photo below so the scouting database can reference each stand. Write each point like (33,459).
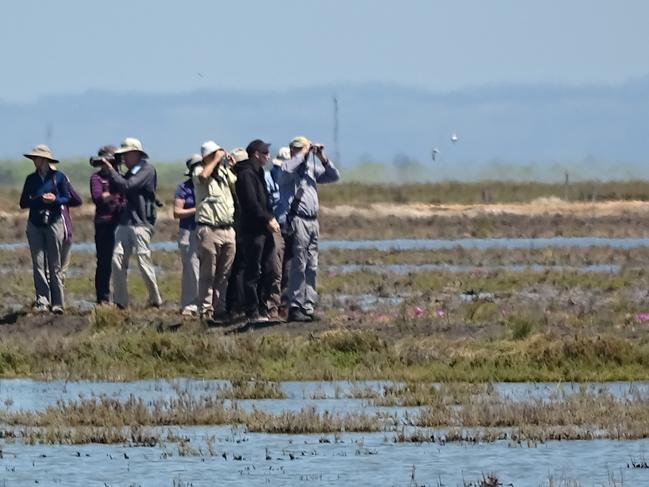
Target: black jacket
(253,215)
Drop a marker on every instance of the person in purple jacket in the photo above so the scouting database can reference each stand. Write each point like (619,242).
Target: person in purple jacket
(109,202)
(184,211)
(75,201)
(45,191)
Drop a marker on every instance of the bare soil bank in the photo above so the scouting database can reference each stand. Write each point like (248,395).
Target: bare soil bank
(541,218)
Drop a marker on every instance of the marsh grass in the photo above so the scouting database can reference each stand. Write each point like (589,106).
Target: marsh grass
(478,418)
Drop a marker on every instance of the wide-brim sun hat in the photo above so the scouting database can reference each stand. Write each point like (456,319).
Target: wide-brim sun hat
(41,150)
(131,144)
(192,162)
(239,154)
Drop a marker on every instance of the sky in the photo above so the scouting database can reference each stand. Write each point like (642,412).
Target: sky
(72,46)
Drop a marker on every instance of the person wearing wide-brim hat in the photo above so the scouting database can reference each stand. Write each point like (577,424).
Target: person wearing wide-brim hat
(44,192)
(184,211)
(137,220)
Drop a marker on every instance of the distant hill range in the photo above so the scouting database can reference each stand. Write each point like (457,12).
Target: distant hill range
(515,131)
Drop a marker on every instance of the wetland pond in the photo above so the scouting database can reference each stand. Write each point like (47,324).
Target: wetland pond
(231,455)
(425,244)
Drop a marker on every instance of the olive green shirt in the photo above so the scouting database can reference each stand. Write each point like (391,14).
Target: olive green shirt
(214,200)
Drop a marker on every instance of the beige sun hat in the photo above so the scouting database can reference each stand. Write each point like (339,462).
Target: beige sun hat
(283,154)
(131,144)
(299,142)
(239,154)
(41,150)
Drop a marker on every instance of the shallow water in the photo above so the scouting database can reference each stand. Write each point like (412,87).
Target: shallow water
(425,244)
(361,459)
(357,459)
(28,394)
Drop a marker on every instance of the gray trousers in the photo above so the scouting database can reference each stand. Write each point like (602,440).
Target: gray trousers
(129,239)
(216,251)
(45,246)
(304,265)
(66,257)
(188,247)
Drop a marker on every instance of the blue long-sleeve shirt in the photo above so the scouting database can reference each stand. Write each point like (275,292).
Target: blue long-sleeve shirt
(272,184)
(302,178)
(33,190)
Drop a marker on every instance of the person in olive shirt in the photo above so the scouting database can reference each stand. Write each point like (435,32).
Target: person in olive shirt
(135,229)
(213,187)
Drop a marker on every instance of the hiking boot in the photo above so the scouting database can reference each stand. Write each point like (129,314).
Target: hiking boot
(256,317)
(220,319)
(40,308)
(296,314)
(274,316)
(190,310)
(57,310)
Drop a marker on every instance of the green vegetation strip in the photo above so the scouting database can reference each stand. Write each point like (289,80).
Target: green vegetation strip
(118,346)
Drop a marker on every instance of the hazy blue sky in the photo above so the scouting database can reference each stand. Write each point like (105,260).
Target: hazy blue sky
(69,46)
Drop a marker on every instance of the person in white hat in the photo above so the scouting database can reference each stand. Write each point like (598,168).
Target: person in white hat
(45,191)
(213,186)
(184,211)
(137,220)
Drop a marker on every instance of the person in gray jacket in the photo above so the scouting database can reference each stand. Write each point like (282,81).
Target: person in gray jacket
(299,200)
(135,228)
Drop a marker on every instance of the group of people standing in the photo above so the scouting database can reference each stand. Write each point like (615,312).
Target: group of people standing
(248,237)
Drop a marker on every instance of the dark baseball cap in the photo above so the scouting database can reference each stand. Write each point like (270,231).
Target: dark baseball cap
(257,145)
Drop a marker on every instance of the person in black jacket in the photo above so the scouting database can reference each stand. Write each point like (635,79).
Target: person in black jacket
(257,226)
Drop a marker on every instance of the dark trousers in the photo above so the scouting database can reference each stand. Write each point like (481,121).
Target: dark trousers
(234,299)
(104,244)
(257,281)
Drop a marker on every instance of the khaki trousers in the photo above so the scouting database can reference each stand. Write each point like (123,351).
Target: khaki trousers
(216,251)
(129,239)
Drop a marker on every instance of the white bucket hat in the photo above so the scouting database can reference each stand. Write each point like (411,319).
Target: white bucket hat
(209,147)
(131,144)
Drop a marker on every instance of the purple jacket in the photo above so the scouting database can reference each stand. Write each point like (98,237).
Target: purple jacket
(75,200)
(105,212)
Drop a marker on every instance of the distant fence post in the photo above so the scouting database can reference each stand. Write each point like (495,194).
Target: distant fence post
(566,186)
